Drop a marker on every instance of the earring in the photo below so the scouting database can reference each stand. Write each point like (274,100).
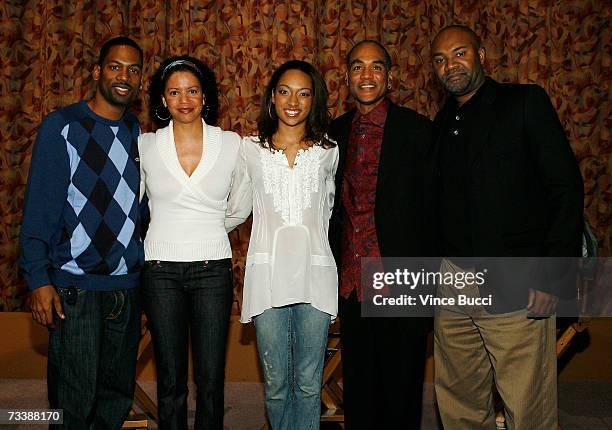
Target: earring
(205,111)
(159,116)
(270,110)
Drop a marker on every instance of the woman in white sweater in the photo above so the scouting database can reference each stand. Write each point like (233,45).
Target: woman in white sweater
(186,169)
(286,177)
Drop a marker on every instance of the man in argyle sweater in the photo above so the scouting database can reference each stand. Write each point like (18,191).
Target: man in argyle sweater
(81,251)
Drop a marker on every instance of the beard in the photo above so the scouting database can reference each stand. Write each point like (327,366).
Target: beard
(116,99)
(461,81)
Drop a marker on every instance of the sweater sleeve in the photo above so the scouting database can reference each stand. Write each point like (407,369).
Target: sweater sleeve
(45,198)
(240,202)
(143,199)
(142,141)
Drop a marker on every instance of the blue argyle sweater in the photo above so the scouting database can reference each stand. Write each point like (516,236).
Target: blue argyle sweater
(80,221)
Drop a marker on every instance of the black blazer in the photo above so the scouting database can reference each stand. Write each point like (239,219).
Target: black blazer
(399,211)
(524,188)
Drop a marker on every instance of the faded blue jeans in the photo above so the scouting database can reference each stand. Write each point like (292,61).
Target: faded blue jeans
(291,341)
(92,357)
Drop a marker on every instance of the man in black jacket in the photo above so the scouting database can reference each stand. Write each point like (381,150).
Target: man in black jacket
(378,212)
(506,184)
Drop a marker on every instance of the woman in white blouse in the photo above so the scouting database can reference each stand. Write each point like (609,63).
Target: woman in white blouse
(186,170)
(286,177)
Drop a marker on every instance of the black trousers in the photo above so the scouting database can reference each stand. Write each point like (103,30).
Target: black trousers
(383,363)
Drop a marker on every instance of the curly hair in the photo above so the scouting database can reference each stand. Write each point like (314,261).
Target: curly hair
(319,117)
(183,63)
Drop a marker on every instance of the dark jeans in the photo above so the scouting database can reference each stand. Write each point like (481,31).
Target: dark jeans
(92,357)
(181,299)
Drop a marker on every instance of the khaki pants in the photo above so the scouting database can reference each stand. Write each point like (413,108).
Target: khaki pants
(474,349)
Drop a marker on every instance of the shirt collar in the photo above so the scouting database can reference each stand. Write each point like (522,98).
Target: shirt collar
(475,99)
(376,116)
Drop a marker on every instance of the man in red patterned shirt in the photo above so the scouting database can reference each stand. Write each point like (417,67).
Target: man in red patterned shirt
(378,212)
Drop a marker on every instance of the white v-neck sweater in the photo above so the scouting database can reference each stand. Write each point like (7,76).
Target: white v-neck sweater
(187,212)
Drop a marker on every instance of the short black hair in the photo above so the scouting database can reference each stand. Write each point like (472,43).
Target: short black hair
(319,117)
(475,38)
(388,63)
(183,63)
(118,41)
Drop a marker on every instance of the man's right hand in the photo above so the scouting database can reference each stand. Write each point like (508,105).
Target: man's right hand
(43,301)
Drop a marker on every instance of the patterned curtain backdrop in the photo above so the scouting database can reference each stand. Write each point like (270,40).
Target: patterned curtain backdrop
(48,47)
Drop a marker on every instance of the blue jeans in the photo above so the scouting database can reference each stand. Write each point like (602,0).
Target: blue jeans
(291,342)
(92,357)
(183,298)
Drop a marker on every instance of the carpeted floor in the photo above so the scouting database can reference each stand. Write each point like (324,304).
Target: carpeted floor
(583,405)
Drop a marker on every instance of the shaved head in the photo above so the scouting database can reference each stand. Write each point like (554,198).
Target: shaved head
(473,36)
(458,60)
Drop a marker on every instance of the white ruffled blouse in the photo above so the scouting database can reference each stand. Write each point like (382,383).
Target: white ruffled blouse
(289,258)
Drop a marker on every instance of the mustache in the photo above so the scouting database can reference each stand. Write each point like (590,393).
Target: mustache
(123,85)
(456,73)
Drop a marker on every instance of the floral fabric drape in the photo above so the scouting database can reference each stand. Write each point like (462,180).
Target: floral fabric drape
(48,47)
